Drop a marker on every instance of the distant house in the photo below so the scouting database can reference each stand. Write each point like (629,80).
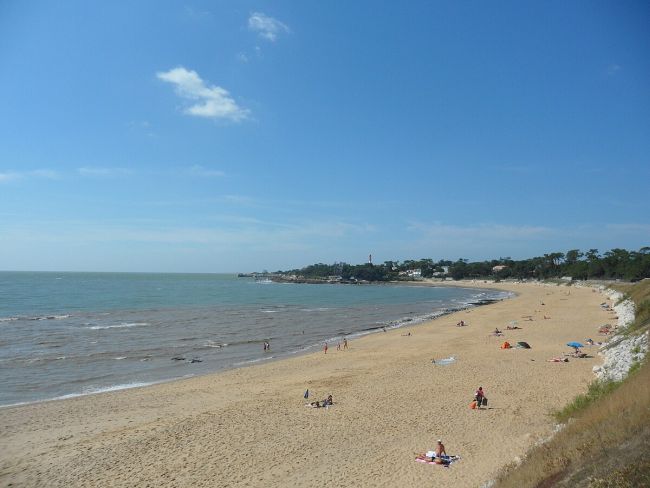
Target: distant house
(444,272)
(498,268)
(414,273)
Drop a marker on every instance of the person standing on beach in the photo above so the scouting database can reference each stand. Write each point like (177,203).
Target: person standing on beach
(345,343)
(479,396)
(440,449)
(325,348)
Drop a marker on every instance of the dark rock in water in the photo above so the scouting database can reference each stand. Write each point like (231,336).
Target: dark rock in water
(178,358)
(196,360)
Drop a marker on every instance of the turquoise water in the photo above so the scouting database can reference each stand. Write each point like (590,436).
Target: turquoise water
(66,334)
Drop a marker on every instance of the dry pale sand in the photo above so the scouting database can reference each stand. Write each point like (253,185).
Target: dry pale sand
(249,427)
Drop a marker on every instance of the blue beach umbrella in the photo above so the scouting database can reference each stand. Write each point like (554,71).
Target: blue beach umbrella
(574,344)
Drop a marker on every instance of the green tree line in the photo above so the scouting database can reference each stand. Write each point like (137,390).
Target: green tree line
(613,264)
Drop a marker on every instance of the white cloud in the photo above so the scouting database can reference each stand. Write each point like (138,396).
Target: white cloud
(267,27)
(99,172)
(242,58)
(198,170)
(211,101)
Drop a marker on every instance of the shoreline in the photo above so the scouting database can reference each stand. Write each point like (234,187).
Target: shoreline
(389,401)
(310,349)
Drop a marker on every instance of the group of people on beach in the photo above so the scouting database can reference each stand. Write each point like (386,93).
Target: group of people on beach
(338,345)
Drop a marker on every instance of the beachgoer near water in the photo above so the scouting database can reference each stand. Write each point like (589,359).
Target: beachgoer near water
(325,348)
(338,346)
(345,343)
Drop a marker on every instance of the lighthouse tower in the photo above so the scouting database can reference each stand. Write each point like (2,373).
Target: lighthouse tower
(369,258)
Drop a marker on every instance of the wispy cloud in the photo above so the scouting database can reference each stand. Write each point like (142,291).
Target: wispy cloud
(613,69)
(514,168)
(198,170)
(480,232)
(267,27)
(195,14)
(102,172)
(7,176)
(142,127)
(211,101)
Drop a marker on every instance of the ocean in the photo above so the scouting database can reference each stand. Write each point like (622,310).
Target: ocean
(70,334)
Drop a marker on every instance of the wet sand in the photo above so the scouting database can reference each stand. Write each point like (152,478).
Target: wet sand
(249,427)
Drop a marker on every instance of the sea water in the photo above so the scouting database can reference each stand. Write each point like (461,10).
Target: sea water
(68,334)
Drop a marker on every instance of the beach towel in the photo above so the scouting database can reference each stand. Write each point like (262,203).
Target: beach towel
(473,405)
(447,460)
(505,345)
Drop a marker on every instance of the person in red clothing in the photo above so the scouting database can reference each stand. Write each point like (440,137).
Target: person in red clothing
(479,396)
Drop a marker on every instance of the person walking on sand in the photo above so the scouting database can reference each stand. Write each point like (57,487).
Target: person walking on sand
(479,396)
(345,343)
(338,346)
(325,348)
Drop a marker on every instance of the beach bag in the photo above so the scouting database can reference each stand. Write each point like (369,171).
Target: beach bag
(473,405)
(484,402)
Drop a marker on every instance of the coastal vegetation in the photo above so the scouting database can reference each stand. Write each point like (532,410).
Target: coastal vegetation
(606,439)
(573,264)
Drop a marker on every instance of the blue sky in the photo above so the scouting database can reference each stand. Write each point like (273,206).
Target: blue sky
(238,135)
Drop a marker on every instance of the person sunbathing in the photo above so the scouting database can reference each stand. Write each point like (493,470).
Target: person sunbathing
(438,456)
(328,401)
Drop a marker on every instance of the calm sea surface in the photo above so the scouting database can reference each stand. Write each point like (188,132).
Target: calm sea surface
(67,334)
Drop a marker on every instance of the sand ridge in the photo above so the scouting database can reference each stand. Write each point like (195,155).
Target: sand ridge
(249,427)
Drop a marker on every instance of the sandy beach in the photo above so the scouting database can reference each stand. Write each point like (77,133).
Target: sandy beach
(250,427)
